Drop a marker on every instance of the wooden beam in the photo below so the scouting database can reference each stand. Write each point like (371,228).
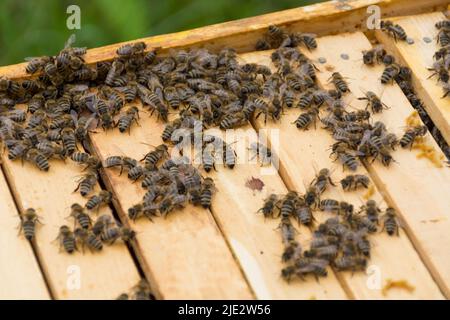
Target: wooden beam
(20,275)
(322,18)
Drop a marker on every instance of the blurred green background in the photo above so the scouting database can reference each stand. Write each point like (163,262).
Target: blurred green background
(38,27)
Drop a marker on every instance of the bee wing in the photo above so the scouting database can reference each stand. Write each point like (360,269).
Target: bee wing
(91,102)
(74,116)
(31,58)
(70,41)
(91,123)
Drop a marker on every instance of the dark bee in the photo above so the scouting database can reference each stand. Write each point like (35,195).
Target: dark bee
(102,198)
(374,55)
(338,80)
(443,24)
(28,223)
(36,64)
(207,192)
(122,162)
(322,180)
(170,129)
(287,231)
(411,134)
(394,30)
(352,263)
(104,221)
(208,157)
(292,252)
(142,291)
(304,214)
(80,216)
(373,102)
(389,73)
(288,203)
(89,239)
(111,234)
(87,183)
(69,140)
(329,205)
(309,40)
(354,181)
(131,49)
(371,210)
(390,223)
(262,152)
(153,157)
(36,157)
(347,159)
(270,205)
(67,239)
(125,121)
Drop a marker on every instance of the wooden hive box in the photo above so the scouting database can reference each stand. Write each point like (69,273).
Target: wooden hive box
(229,252)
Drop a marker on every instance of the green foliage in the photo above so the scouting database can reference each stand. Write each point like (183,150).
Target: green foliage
(34,28)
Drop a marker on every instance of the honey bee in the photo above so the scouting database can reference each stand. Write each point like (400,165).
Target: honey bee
(287,230)
(304,214)
(37,158)
(28,223)
(142,290)
(208,157)
(376,54)
(308,39)
(389,73)
(347,159)
(87,183)
(394,30)
(154,101)
(353,263)
(152,158)
(354,181)
(125,121)
(235,120)
(371,210)
(322,180)
(69,140)
(80,216)
(411,134)
(292,252)
(104,221)
(67,239)
(390,223)
(207,191)
(140,209)
(262,152)
(120,161)
(373,102)
(338,80)
(87,238)
(170,129)
(269,207)
(329,205)
(443,24)
(36,64)
(111,234)
(128,50)
(102,198)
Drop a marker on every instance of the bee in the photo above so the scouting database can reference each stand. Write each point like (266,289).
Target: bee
(441,71)
(410,135)
(207,191)
(170,129)
(443,37)
(80,157)
(322,180)
(172,97)
(374,55)
(67,239)
(142,290)
(111,234)
(19,149)
(329,205)
(88,238)
(373,102)
(234,120)
(87,183)
(292,252)
(28,223)
(309,40)
(354,181)
(390,221)
(269,207)
(276,35)
(443,24)
(128,50)
(120,161)
(102,198)
(208,157)
(353,263)
(328,252)
(288,204)
(69,140)
(152,158)
(287,230)
(389,73)
(347,159)
(154,101)
(36,64)
(304,214)
(104,221)
(140,209)
(125,121)
(80,216)
(393,30)
(263,152)
(36,157)
(371,210)
(338,80)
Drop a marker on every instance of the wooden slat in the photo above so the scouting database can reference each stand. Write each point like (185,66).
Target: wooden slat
(419,57)
(104,275)
(302,154)
(20,275)
(256,241)
(243,34)
(415,187)
(184,255)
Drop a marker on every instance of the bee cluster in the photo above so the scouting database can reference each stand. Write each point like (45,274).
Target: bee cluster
(341,241)
(91,234)
(169,183)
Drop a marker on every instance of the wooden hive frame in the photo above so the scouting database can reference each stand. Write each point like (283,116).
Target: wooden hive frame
(229,252)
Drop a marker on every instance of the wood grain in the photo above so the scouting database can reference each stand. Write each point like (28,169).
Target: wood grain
(20,275)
